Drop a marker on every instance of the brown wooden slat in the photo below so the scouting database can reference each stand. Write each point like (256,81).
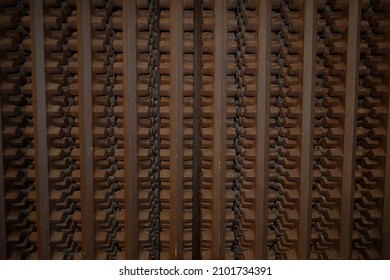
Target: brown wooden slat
(196,171)
(197,123)
(262,127)
(86,128)
(176,130)
(3,232)
(219,122)
(3,224)
(386,201)
(348,181)
(40,130)
(306,179)
(131,125)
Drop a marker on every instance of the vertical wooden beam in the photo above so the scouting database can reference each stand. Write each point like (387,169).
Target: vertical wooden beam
(262,127)
(3,215)
(86,128)
(385,254)
(3,224)
(131,127)
(351,89)
(197,127)
(40,129)
(176,131)
(306,180)
(219,123)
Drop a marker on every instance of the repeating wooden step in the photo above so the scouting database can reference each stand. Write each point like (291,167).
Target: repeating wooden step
(167,129)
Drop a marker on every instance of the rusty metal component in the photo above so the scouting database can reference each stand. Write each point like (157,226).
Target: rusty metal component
(168,129)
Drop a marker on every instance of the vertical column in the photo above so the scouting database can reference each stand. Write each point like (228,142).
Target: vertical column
(348,181)
(386,201)
(131,127)
(40,131)
(3,224)
(262,128)
(3,232)
(197,126)
(219,123)
(306,178)
(285,128)
(86,128)
(176,131)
